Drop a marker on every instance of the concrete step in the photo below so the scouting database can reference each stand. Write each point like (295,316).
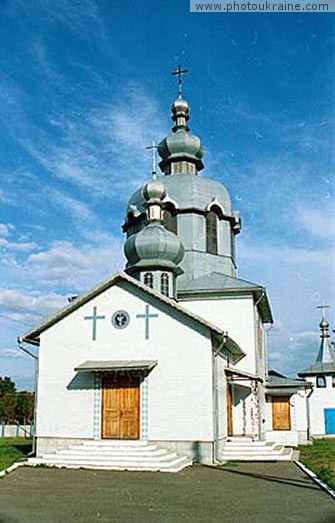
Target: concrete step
(102,459)
(106,452)
(174,465)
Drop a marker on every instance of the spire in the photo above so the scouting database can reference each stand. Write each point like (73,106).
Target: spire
(181,151)
(325,354)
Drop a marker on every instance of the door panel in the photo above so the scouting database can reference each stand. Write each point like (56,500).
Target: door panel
(281,413)
(120,408)
(330,421)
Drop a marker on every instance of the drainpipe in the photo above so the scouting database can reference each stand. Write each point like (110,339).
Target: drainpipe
(308,414)
(215,449)
(32,355)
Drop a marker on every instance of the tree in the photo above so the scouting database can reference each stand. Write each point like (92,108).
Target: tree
(7,385)
(24,410)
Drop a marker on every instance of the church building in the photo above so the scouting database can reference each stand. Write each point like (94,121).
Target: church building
(321,374)
(162,364)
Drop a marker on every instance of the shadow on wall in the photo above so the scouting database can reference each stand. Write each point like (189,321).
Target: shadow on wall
(196,452)
(81,381)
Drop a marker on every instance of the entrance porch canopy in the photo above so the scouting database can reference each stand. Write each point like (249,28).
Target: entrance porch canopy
(105,366)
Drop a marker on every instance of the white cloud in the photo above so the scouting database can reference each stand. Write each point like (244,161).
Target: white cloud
(320,222)
(11,353)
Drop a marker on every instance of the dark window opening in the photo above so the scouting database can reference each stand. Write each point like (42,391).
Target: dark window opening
(211,233)
(149,279)
(165,284)
(321,382)
(170,221)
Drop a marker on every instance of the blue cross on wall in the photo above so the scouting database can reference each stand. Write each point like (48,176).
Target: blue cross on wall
(146,316)
(94,318)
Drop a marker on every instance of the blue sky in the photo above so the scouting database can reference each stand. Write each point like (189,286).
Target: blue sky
(85,86)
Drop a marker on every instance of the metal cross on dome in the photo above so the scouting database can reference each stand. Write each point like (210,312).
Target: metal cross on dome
(153,147)
(323,307)
(179,72)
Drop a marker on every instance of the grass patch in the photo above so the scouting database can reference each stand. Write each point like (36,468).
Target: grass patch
(320,458)
(12,449)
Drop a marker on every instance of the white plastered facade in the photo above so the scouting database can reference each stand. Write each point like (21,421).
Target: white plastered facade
(178,407)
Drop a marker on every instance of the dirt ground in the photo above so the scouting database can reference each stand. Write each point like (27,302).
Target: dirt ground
(241,493)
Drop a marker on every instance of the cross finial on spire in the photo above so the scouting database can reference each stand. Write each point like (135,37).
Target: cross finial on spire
(179,73)
(153,147)
(323,307)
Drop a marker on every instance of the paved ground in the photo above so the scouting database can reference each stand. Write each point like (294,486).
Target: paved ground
(243,493)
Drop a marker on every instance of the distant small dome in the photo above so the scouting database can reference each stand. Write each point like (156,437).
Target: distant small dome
(324,324)
(154,246)
(154,191)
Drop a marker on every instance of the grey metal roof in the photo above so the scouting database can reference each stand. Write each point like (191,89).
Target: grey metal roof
(232,348)
(217,283)
(189,192)
(276,381)
(318,368)
(89,366)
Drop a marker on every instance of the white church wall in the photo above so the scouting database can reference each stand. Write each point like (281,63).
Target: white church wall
(235,315)
(222,398)
(320,399)
(180,391)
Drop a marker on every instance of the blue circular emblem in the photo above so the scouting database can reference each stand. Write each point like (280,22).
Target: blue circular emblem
(120,319)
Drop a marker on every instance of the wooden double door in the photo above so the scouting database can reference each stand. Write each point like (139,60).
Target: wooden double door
(120,409)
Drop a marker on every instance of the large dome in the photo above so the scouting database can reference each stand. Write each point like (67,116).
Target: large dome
(187,192)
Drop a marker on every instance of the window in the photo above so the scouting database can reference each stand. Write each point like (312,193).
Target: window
(170,221)
(211,233)
(165,284)
(333,382)
(149,279)
(321,382)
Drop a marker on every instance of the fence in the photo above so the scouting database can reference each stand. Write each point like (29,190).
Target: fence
(10,430)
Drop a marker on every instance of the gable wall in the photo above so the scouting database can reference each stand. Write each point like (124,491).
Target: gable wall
(180,391)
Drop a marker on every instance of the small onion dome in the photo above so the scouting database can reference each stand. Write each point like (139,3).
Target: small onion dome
(154,191)
(154,247)
(324,325)
(180,108)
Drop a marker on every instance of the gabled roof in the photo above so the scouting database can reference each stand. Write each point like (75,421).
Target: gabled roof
(216,283)
(222,339)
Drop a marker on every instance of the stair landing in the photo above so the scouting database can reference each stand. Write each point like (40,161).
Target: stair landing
(115,455)
(245,449)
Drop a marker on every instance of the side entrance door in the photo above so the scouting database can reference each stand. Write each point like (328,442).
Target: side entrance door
(330,421)
(281,413)
(120,411)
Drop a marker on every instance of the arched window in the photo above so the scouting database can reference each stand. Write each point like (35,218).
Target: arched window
(211,233)
(321,382)
(165,284)
(149,279)
(170,221)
